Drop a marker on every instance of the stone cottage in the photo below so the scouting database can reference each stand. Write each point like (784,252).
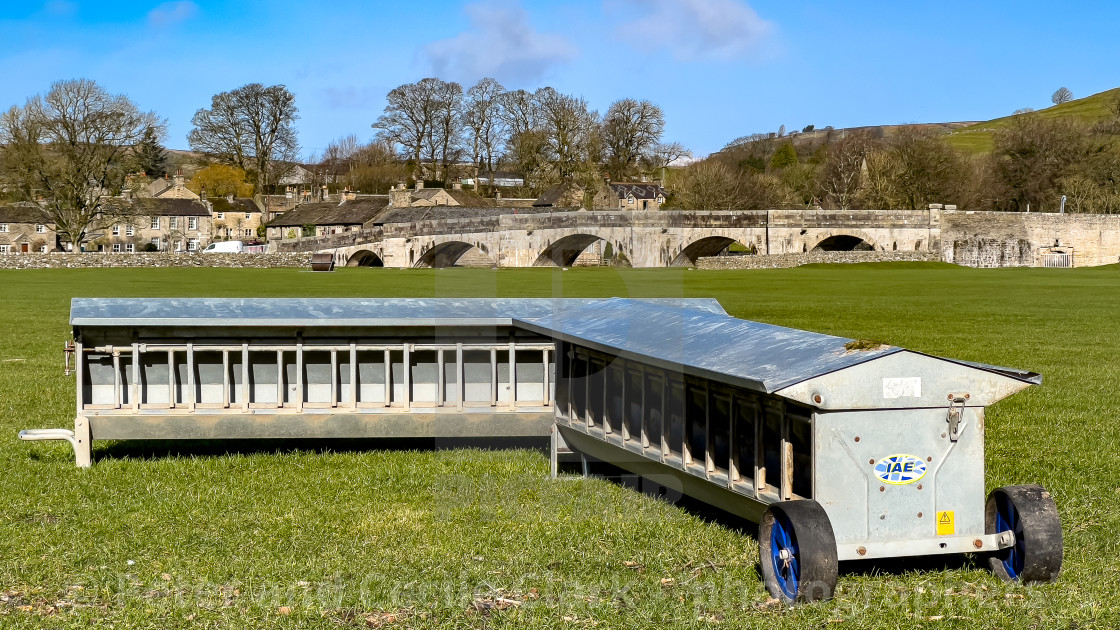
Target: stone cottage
(26,228)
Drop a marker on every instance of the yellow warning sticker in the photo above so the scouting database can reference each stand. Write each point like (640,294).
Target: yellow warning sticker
(946,524)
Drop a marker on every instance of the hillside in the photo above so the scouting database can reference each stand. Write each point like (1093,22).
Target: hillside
(977,138)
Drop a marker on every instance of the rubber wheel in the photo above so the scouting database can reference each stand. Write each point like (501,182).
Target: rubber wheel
(1030,513)
(797,550)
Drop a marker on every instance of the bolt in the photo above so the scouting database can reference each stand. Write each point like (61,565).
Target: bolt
(930,459)
(882,488)
(870,461)
(950,396)
(978,543)
(862,551)
(857,438)
(919,515)
(944,435)
(967,396)
(882,517)
(817,398)
(919,486)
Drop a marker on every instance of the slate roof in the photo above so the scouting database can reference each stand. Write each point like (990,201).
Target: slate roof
(24,213)
(355,212)
(239,204)
(640,190)
(553,195)
(160,207)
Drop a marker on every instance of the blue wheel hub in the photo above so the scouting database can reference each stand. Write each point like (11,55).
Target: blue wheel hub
(1007,519)
(784,554)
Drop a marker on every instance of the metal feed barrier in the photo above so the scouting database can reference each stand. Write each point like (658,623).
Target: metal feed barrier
(840,449)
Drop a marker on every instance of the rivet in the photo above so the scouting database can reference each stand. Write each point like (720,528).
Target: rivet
(950,397)
(882,488)
(857,438)
(967,396)
(978,543)
(919,486)
(870,461)
(930,459)
(882,517)
(862,551)
(817,398)
(944,435)
(919,515)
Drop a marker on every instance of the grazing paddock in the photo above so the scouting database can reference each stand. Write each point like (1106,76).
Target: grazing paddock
(342,534)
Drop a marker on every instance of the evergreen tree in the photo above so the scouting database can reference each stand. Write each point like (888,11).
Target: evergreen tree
(151,158)
(784,156)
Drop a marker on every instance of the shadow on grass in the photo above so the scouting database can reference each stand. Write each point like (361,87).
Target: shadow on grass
(745,527)
(162,449)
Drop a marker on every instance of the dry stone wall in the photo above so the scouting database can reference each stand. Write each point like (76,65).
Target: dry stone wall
(782,261)
(153,260)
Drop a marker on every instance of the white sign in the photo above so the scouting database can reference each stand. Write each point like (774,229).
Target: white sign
(902,387)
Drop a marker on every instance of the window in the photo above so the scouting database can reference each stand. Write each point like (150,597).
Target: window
(129,230)
(5,249)
(42,249)
(174,223)
(116,229)
(248,216)
(220,216)
(3,227)
(192,245)
(155,223)
(116,248)
(179,246)
(156,243)
(247,232)
(192,223)
(39,229)
(630,200)
(130,248)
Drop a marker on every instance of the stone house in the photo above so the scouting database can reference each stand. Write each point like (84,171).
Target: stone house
(420,197)
(630,196)
(234,218)
(328,217)
(167,188)
(26,228)
(563,195)
(165,224)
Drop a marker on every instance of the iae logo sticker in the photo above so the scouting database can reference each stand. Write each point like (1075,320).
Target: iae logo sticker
(900,469)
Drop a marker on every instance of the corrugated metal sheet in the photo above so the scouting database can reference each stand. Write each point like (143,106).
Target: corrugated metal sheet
(712,345)
(233,312)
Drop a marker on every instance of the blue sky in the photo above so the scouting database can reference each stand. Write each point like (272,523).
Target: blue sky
(719,68)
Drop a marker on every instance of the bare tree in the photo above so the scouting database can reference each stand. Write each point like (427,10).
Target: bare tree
(1030,157)
(571,130)
(68,147)
(631,129)
(485,126)
(708,185)
(423,119)
(1062,95)
(251,128)
(842,172)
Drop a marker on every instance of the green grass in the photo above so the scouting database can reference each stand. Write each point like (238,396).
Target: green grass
(290,535)
(979,138)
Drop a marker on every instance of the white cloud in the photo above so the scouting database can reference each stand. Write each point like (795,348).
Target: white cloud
(499,43)
(695,30)
(170,13)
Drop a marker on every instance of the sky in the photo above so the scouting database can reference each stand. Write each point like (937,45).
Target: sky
(720,69)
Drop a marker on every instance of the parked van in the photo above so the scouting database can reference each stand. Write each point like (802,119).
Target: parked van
(225,247)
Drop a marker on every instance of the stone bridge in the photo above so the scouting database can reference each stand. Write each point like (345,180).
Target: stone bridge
(645,239)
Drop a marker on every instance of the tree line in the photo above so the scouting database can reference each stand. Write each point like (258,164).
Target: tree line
(1034,161)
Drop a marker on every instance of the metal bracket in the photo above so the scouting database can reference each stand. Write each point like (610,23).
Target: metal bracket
(35,435)
(956,405)
(68,351)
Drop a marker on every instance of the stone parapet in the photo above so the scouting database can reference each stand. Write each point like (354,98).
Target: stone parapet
(153,260)
(783,261)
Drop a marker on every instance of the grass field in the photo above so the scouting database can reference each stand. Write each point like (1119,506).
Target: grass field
(295,535)
(979,138)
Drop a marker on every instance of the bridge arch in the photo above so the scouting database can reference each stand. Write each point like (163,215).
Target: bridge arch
(565,251)
(364,258)
(845,241)
(449,253)
(707,246)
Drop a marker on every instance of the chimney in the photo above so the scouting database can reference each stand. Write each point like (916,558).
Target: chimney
(399,196)
(229,197)
(201,192)
(457,185)
(419,184)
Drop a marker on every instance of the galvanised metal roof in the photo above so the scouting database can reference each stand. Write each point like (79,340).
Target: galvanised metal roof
(287,312)
(713,345)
